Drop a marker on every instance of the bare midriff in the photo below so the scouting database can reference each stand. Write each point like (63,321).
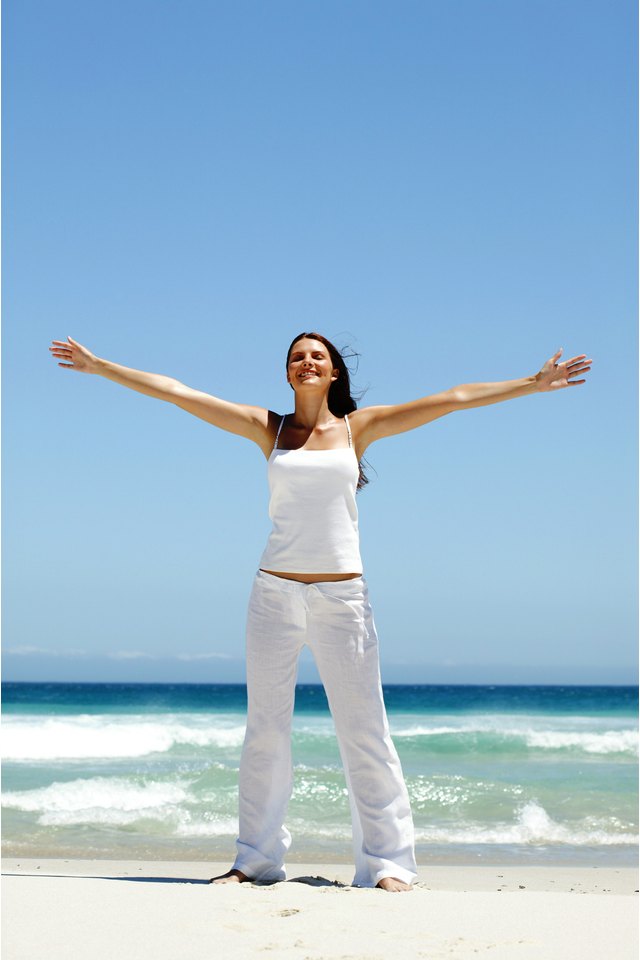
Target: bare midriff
(312,577)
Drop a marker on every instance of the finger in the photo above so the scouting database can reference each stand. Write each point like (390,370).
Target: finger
(69,366)
(575,383)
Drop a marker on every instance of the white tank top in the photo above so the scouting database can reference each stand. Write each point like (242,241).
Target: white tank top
(313,510)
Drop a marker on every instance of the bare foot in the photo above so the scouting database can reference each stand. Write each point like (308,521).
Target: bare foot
(231,876)
(393,885)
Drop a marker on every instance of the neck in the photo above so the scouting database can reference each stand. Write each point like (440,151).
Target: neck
(312,411)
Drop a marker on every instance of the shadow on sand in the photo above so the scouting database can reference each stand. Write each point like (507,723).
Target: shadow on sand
(310,881)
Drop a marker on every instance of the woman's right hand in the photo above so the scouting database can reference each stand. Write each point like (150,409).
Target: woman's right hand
(76,356)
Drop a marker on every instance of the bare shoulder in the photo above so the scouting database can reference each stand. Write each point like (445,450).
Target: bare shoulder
(246,420)
(374,423)
(362,422)
(362,417)
(271,421)
(264,425)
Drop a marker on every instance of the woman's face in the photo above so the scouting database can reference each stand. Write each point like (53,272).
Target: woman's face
(310,367)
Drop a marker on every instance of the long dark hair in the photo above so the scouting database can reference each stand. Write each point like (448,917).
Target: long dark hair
(340,399)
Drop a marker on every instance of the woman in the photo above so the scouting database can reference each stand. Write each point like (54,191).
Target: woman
(310,589)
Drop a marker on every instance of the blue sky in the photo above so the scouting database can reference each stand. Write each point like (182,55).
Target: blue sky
(448,188)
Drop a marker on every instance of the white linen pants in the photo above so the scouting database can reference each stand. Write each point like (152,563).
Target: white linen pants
(335,620)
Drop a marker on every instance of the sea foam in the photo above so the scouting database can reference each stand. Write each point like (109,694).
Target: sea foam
(109,800)
(492,736)
(532,825)
(102,737)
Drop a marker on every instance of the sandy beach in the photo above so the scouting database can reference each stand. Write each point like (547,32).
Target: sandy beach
(71,909)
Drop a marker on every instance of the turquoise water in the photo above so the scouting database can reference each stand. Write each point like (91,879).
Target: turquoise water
(150,771)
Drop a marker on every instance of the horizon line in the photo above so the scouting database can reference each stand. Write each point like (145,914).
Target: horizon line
(239,683)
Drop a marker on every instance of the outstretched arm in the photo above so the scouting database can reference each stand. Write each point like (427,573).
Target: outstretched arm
(254,423)
(373,423)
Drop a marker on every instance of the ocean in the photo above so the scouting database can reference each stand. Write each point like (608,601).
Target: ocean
(496,774)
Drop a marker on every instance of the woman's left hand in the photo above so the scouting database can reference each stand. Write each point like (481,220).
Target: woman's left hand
(554,375)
